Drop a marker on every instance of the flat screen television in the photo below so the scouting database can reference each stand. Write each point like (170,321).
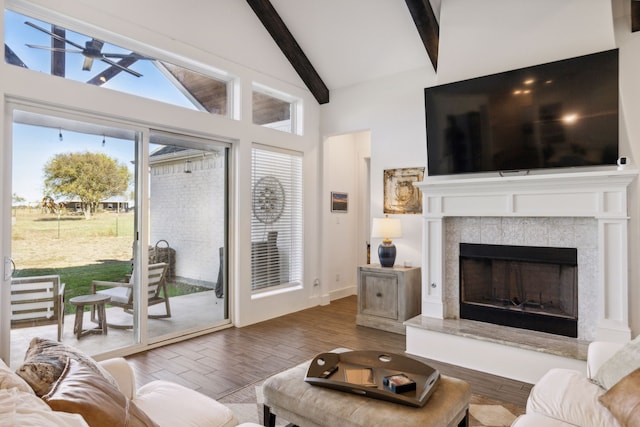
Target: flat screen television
(555,115)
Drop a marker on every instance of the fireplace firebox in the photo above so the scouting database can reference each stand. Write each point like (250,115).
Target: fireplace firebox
(527,287)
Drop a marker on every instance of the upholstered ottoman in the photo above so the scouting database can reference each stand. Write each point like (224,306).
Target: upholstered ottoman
(287,395)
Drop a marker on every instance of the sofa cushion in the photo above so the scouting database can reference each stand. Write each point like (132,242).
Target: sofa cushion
(123,373)
(623,362)
(45,360)
(80,390)
(25,409)
(623,400)
(567,395)
(167,403)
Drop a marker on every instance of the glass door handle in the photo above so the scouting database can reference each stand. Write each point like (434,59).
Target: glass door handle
(9,268)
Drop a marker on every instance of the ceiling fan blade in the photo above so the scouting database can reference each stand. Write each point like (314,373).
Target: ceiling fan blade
(55,36)
(54,49)
(115,64)
(111,72)
(123,55)
(87,64)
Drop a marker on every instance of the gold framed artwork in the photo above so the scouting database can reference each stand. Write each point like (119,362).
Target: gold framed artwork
(400,196)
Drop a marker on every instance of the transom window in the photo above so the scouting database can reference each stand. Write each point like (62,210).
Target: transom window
(41,46)
(274,109)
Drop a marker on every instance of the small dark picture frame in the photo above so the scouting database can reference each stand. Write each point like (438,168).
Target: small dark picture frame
(339,202)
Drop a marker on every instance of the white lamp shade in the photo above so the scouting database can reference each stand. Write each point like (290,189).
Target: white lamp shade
(386,228)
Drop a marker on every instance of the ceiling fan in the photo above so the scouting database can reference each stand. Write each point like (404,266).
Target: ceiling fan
(91,51)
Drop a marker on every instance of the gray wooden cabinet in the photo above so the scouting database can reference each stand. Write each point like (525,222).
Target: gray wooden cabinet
(388,296)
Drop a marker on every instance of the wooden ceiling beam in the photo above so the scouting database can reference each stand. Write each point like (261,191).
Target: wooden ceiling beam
(427,25)
(635,15)
(269,17)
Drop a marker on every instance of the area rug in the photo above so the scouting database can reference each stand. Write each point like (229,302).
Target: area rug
(483,412)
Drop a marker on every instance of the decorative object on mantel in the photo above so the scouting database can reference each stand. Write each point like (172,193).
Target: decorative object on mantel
(400,195)
(339,202)
(386,228)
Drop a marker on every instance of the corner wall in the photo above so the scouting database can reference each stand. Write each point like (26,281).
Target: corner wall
(393,109)
(345,169)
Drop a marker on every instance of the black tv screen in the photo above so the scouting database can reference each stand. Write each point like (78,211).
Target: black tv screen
(555,115)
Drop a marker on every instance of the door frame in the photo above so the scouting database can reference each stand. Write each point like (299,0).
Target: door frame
(142,131)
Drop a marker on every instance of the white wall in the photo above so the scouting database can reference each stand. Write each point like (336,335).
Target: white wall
(629,45)
(479,38)
(345,234)
(393,109)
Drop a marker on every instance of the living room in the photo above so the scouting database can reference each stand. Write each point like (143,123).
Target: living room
(380,116)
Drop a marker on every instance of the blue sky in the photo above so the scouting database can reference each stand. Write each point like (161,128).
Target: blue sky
(33,146)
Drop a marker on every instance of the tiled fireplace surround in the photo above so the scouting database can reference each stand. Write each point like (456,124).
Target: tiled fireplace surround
(584,210)
(579,233)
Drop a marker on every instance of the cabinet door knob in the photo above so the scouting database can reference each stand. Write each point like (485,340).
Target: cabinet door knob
(379,294)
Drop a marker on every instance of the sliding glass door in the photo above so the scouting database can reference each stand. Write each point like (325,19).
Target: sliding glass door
(73,222)
(188,232)
(92,217)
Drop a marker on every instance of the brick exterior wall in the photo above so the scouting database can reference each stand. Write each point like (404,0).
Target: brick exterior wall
(187,210)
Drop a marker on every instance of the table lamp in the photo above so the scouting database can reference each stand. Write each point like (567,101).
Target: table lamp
(386,228)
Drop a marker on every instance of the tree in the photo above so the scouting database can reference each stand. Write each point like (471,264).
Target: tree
(17,200)
(90,177)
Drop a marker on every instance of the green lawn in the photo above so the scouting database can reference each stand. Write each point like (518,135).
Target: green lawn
(79,250)
(78,279)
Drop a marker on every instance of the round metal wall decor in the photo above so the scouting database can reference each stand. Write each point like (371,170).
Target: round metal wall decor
(268,199)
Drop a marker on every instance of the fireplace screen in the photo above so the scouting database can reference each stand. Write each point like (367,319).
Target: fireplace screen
(526,287)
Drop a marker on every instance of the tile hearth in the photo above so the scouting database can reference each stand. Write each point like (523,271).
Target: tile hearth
(530,340)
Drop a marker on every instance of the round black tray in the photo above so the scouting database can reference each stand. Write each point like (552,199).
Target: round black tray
(363,373)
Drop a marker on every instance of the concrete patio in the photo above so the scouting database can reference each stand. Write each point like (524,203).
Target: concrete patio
(188,312)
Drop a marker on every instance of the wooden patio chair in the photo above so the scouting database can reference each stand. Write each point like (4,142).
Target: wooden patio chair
(121,293)
(37,301)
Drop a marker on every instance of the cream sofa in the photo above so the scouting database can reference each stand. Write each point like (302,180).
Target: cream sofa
(564,397)
(169,404)
(165,403)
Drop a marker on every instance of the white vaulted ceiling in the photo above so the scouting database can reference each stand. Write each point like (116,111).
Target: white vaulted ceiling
(351,41)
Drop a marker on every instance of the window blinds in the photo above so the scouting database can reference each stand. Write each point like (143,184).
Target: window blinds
(276,218)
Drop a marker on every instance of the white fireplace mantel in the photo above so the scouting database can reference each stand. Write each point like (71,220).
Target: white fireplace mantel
(599,194)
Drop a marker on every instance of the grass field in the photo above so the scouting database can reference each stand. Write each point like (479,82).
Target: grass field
(79,250)
(52,241)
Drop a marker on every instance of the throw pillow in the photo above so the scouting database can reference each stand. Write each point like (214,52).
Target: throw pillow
(623,400)
(9,379)
(626,360)
(79,390)
(45,360)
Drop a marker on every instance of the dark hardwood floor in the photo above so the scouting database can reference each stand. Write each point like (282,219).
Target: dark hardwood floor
(225,362)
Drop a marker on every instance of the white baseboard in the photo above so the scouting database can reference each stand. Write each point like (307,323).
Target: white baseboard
(342,293)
